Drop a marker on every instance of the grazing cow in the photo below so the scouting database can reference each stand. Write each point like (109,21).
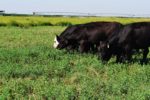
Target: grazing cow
(86,36)
(64,41)
(110,47)
(132,36)
(136,36)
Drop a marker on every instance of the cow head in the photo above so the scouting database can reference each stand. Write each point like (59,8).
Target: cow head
(60,43)
(105,51)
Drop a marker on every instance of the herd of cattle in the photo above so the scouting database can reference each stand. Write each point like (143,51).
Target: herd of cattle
(107,38)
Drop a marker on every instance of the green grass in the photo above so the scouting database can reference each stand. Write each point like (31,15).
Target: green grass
(31,69)
(27,21)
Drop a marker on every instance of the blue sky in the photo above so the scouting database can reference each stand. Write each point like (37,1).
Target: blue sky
(86,6)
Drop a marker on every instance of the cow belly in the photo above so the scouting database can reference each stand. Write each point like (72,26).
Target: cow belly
(142,43)
(96,38)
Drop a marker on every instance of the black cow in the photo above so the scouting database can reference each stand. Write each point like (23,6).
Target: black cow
(86,36)
(111,47)
(64,41)
(132,36)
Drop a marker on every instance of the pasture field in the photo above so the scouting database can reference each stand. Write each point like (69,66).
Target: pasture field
(27,21)
(31,69)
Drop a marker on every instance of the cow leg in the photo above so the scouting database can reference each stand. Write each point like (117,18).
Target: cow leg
(145,52)
(84,46)
(93,47)
(97,47)
(128,53)
(129,56)
(120,55)
(119,58)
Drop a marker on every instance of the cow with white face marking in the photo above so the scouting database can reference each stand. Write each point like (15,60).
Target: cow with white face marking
(85,37)
(56,43)
(63,41)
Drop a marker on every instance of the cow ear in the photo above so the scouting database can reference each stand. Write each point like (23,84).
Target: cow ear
(58,38)
(108,46)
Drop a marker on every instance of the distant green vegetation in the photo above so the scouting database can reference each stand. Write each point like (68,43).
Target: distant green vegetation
(31,69)
(28,21)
